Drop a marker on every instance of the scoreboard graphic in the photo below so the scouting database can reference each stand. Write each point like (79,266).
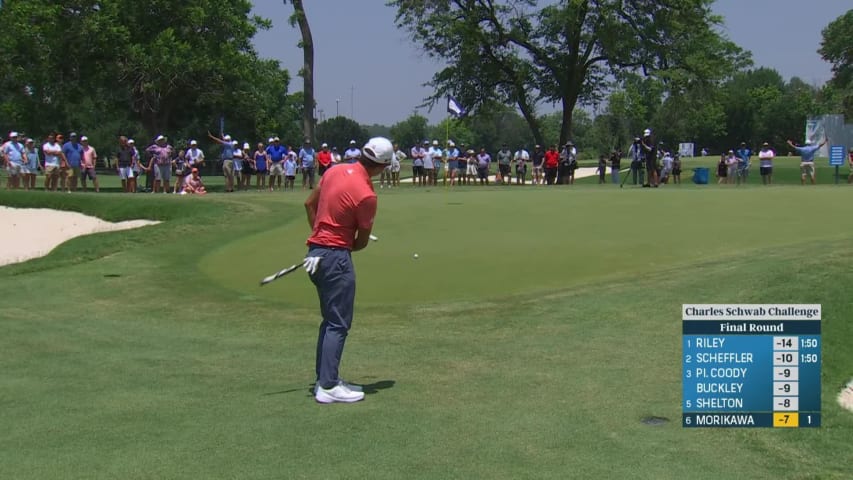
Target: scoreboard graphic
(751,365)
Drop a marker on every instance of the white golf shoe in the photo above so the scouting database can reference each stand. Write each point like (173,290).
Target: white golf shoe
(339,393)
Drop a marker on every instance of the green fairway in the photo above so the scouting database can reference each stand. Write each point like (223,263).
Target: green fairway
(535,331)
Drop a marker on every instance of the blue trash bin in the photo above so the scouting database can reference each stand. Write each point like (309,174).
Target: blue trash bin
(700,176)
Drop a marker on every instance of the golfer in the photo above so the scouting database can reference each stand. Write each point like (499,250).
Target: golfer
(807,154)
(340,212)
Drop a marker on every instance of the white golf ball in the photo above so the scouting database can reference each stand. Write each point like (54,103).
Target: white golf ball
(415,256)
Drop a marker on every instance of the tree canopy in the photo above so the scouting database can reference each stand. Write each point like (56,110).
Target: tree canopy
(160,66)
(567,52)
(837,49)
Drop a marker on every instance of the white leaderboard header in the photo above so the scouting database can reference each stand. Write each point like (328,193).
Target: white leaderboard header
(769,311)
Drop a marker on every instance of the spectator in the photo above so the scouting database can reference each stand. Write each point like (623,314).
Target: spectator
(306,162)
(504,158)
(807,153)
(195,156)
(722,170)
(744,154)
(552,161)
(666,167)
(290,167)
(461,164)
(483,161)
(87,165)
(521,157)
(396,162)
(433,155)
(471,167)
(850,177)
(452,163)
(53,161)
(31,157)
(73,152)
(352,153)
(275,157)
(324,159)
(615,163)
(568,164)
(161,163)
(602,169)
(647,144)
(538,159)
(260,158)
(765,163)
(125,161)
(248,167)
(418,154)
(182,170)
(635,153)
(731,166)
(676,169)
(193,184)
(336,157)
(227,159)
(12,153)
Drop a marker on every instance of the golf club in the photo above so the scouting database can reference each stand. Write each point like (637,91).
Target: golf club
(281,273)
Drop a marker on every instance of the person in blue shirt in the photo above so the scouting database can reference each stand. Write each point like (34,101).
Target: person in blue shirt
(807,153)
(743,156)
(73,152)
(275,162)
(306,161)
(12,153)
(227,159)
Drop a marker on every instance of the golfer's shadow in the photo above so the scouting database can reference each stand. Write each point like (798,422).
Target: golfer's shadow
(368,388)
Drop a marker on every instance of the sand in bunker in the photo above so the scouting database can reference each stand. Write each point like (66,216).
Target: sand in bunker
(33,232)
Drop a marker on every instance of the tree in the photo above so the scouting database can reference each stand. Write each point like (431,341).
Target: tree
(836,49)
(411,131)
(165,66)
(452,129)
(307,72)
(338,131)
(516,52)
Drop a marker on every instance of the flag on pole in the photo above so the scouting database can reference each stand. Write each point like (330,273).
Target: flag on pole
(454,108)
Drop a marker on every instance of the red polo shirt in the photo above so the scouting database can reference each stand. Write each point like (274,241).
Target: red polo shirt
(347,202)
(552,158)
(324,158)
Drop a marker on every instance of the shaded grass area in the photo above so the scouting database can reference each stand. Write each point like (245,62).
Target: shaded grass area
(164,372)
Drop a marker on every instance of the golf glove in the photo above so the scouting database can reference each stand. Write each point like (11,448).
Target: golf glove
(311,264)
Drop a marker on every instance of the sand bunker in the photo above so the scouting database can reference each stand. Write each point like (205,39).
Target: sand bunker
(33,232)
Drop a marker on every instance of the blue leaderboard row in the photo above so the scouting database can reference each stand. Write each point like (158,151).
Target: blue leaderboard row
(751,366)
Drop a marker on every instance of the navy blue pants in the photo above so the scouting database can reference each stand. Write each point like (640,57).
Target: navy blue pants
(335,282)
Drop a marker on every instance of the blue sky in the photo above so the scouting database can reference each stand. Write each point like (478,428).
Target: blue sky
(377,73)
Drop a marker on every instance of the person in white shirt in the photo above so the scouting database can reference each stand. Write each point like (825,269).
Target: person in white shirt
(53,160)
(521,157)
(432,163)
(418,155)
(765,162)
(452,154)
(396,162)
(194,156)
(352,154)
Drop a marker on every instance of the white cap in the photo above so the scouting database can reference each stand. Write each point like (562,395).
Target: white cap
(352,142)
(324,145)
(270,140)
(159,137)
(647,132)
(276,139)
(130,141)
(808,142)
(227,138)
(13,134)
(450,143)
(435,143)
(246,145)
(84,138)
(29,140)
(378,150)
(235,142)
(193,142)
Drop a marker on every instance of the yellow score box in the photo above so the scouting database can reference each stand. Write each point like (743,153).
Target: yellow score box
(783,420)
